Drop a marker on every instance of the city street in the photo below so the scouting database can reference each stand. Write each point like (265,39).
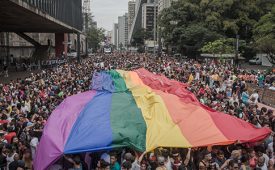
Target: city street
(137,85)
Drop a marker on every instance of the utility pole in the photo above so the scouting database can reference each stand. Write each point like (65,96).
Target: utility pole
(237,50)
(155,26)
(8,47)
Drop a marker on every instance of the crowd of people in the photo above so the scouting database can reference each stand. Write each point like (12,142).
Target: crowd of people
(26,104)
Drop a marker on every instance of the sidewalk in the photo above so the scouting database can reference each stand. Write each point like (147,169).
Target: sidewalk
(13,75)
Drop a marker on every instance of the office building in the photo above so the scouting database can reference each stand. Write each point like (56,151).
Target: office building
(131,13)
(123,31)
(136,24)
(115,35)
(149,15)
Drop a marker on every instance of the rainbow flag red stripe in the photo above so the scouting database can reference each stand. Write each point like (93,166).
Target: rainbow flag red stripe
(141,110)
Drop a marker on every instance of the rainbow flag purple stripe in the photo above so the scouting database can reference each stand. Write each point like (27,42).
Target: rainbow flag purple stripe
(140,110)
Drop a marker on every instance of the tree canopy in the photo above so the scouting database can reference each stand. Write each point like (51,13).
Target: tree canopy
(220,46)
(190,24)
(264,35)
(94,35)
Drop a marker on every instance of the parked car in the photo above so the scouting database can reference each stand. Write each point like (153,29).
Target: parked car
(255,61)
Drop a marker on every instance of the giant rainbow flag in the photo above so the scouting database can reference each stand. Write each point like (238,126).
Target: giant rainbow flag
(136,109)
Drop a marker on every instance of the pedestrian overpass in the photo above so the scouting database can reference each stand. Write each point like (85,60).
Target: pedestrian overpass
(42,16)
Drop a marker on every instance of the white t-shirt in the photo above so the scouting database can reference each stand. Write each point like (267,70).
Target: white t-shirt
(168,164)
(34,143)
(10,160)
(24,109)
(197,75)
(264,167)
(256,96)
(266,158)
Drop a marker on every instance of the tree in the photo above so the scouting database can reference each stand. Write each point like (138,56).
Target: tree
(139,37)
(95,36)
(264,35)
(189,24)
(221,46)
(267,46)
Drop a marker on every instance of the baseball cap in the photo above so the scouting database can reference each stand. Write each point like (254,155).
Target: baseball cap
(106,157)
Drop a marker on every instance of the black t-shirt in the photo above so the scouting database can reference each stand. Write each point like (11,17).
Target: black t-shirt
(3,161)
(13,165)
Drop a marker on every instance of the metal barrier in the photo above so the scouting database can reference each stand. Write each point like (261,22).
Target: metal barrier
(67,11)
(266,95)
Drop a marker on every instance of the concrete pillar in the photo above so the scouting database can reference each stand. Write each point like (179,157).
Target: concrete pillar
(61,40)
(66,40)
(86,45)
(8,48)
(78,47)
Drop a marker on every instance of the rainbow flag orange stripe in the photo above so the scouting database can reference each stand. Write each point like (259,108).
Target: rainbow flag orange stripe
(141,110)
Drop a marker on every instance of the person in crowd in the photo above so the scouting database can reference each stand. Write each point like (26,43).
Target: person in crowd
(206,161)
(77,164)
(6,71)
(261,163)
(126,165)
(161,163)
(114,164)
(233,165)
(27,103)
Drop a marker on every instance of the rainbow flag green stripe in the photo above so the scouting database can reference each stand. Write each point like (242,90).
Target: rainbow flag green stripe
(126,118)
(140,110)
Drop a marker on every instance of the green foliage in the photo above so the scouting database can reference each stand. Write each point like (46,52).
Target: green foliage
(220,46)
(94,35)
(190,24)
(139,37)
(264,35)
(267,46)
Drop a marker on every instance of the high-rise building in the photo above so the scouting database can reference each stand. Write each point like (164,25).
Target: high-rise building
(123,30)
(131,13)
(149,15)
(115,35)
(136,25)
(162,4)
(86,9)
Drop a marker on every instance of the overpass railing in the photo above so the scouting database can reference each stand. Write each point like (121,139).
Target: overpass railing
(67,11)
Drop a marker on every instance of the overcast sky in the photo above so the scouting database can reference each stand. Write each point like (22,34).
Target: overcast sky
(105,12)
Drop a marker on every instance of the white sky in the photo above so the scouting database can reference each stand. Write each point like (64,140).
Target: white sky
(106,12)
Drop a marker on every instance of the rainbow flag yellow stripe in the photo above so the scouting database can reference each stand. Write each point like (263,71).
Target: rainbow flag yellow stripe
(140,110)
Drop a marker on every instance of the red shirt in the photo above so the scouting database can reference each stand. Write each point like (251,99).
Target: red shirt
(4,121)
(9,136)
(201,91)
